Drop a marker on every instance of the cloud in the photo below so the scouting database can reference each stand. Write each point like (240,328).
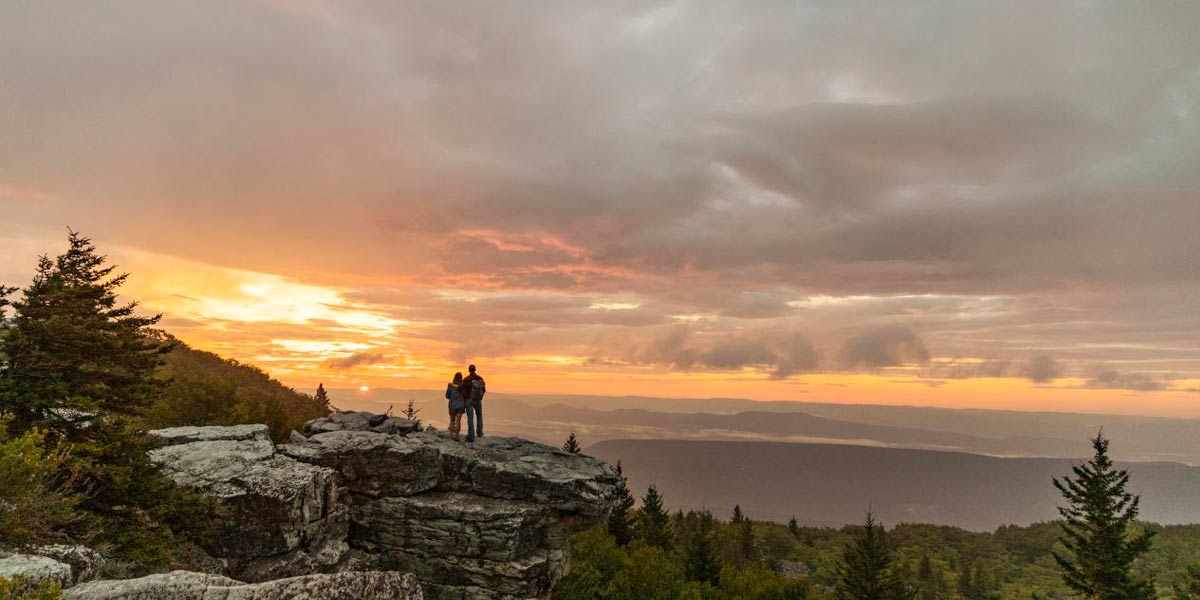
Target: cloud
(1041,369)
(782,354)
(356,359)
(887,346)
(958,368)
(1112,379)
(956,170)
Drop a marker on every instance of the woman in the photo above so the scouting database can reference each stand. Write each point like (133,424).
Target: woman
(457,404)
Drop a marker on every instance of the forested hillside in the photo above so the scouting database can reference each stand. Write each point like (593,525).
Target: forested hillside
(205,389)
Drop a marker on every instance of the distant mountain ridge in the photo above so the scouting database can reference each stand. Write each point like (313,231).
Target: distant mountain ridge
(989,432)
(825,483)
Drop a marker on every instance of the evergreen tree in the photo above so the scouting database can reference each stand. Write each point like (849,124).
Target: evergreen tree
(620,519)
(81,364)
(698,544)
(794,527)
(652,520)
(1097,531)
(866,571)
(322,397)
(743,529)
(571,446)
(74,353)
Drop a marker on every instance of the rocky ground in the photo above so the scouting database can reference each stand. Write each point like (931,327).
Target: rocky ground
(348,508)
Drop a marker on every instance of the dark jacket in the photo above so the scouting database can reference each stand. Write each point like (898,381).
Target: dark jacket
(469,384)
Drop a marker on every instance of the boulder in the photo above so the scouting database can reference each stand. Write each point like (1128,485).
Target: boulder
(85,563)
(358,421)
(186,585)
(233,433)
(484,520)
(283,517)
(33,568)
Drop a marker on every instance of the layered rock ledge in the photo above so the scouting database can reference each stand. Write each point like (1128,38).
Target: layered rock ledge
(186,585)
(488,520)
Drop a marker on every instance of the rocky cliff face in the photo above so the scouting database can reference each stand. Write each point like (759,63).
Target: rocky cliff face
(488,520)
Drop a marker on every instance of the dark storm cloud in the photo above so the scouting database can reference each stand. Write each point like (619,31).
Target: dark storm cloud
(984,179)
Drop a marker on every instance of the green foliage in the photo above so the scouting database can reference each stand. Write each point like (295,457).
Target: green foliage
(1187,586)
(596,560)
(743,535)
(1097,531)
(205,389)
(759,583)
(36,502)
(571,446)
(136,510)
(696,538)
(82,366)
(19,588)
(867,572)
(74,353)
(620,520)
(650,528)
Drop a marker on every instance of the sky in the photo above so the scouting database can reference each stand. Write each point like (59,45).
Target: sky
(965,204)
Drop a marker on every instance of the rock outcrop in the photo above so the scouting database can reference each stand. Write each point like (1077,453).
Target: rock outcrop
(187,585)
(34,568)
(488,520)
(284,516)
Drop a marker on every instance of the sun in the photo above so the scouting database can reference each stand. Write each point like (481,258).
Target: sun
(364,388)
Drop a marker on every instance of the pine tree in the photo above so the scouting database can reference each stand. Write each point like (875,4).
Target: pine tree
(1097,531)
(866,572)
(79,363)
(743,534)
(794,528)
(73,353)
(619,520)
(652,520)
(322,397)
(571,446)
(697,542)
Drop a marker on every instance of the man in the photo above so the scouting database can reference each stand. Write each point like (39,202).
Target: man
(473,388)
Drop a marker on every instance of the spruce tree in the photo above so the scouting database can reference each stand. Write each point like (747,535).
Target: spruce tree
(1097,531)
(619,520)
(78,362)
(571,446)
(73,352)
(794,528)
(697,542)
(322,397)
(652,519)
(743,532)
(866,571)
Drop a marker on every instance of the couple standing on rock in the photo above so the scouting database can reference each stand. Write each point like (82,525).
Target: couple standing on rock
(466,396)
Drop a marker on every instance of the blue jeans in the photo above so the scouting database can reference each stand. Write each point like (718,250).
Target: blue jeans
(474,419)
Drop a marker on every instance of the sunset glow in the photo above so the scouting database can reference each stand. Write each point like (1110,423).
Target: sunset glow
(722,213)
